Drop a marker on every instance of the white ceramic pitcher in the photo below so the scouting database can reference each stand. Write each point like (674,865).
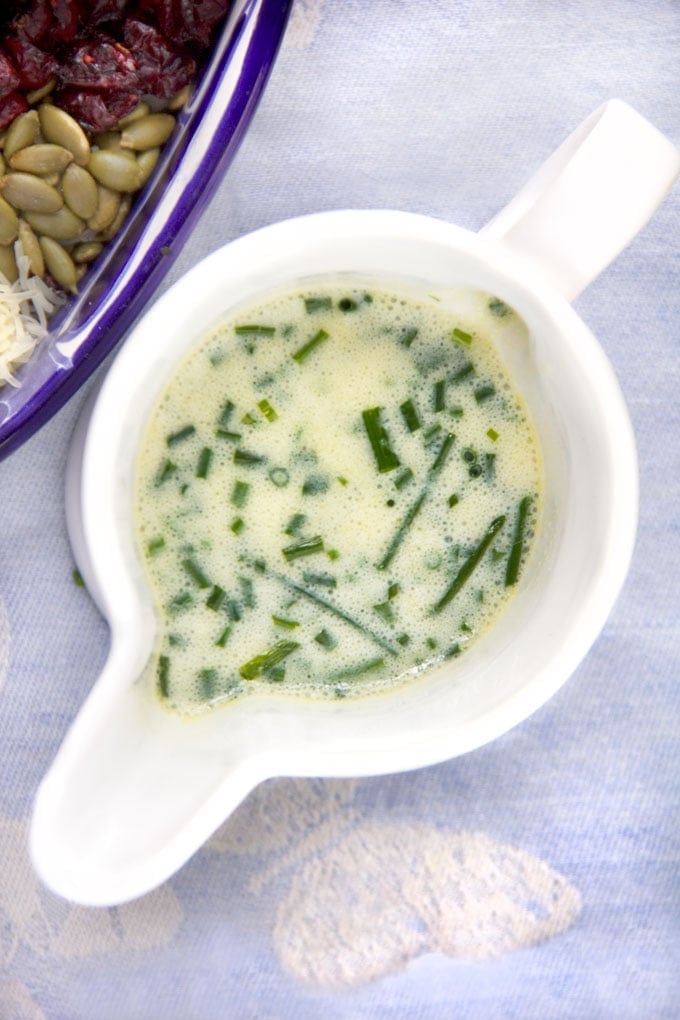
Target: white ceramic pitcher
(134,790)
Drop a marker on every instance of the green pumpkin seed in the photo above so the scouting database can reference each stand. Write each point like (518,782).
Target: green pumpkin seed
(42,158)
(86,252)
(148,132)
(59,264)
(107,140)
(180,98)
(142,110)
(146,162)
(30,193)
(63,225)
(21,132)
(37,94)
(117,170)
(31,249)
(59,127)
(108,202)
(118,221)
(80,191)
(8,263)
(9,223)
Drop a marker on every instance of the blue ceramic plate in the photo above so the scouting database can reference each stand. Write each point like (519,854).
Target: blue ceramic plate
(115,290)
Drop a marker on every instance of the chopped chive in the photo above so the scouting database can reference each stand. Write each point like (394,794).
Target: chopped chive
(239,493)
(403,478)
(163,674)
(318,304)
(348,304)
(470,564)
(498,307)
(204,461)
(492,434)
(343,481)
(410,415)
(456,411)
(267,410)
(483,393)
(254,329)
(184,600)
(358,670)
(332,554)
(403,640)
(233,611)
(247,592)
(515,557)
(431,643)
(280,621)
(386,458)
(393,590)
(303,352)
(430,434)
(177,641)
(249,419)
(315,485)
(166,470)
(267,660)
(77,578)
(463,372)
(306,548)
(195,573)
(414,509)
(461,337)
(223,638)
(439,395)
(496,555)
(155,545)
(453,500)
(294,524)
(326,640)
(276,673)
(180,435)
(408,336)
(228,409)
(245,457)
(385,611)
(490,466)
(279,476)
(237,525)
(215,599)
(452,652)
(207,679)
(324,580)
(226,434)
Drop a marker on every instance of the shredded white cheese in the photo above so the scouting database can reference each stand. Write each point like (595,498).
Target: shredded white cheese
(24,308)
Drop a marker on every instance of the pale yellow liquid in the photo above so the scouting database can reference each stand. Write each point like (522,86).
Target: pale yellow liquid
(358,627)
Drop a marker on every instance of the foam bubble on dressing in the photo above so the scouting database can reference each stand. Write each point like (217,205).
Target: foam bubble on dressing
(284,553)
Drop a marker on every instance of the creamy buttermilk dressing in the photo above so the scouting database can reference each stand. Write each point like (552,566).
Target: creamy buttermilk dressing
(337,490)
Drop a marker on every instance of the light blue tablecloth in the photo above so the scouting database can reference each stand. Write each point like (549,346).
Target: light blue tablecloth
(312,900)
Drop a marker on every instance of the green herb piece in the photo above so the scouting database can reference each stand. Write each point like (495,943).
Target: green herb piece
(408,336)
(439,395)
(318,304)
(348,304)
(267,660)
(207,679)
(489,466)
(177,641)
(315,485)
(166,470)
(228,409)
(216,598)
(403,640)
(303,352)
(249,419)
(195,573)
(239,493)
(452,652)
(154,545)
(279,476)
(204,462)
(385,611)
(430,434)
(453,500)
(343,481)
(332,554)
(410,415)
(267,410)
(386,458)
(415,507)
(517,547)
(280,621)
(393,590)
(223,638)
(237,525)
(326,640)
(233,437)
(485,392)
(177,437)
(358,670)
(403,478)
(276,673)
(308,547)
(294,524)
(492,434)
(324,580)
(463,372)
(456,411)
(431,643)
(177,604)
(247,592)
(163,675)
(459,336)
(248,458)
(254,329)
(498,307)
(233,610)
(77,578)
(470,564)
(497,554)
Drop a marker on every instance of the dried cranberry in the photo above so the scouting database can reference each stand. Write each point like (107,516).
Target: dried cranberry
(64,20)
(9,79)
(35,24)
(101,11)
(34,66)
(161,70)
(11,107)
(186,21)
(97,111)
(103,64)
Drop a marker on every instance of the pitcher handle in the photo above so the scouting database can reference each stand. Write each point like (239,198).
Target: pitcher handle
(589,199)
